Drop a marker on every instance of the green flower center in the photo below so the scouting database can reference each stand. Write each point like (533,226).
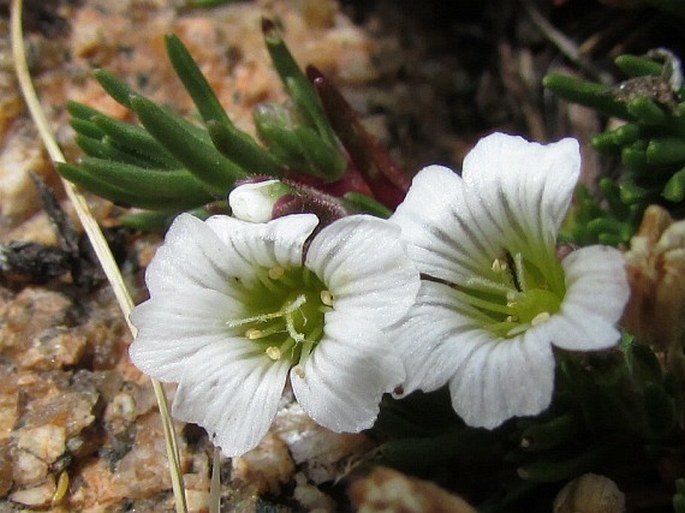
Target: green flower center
(285,313)
(516,293)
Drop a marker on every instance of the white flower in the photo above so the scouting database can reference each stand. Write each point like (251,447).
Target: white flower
(236,308)
(494,297)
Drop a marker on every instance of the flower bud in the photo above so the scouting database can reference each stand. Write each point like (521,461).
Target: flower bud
(254,201)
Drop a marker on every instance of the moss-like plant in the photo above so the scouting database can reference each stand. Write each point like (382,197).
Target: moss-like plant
(650,145)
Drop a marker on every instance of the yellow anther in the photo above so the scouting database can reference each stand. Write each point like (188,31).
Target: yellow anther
(299,370)
(254,334)
(273,352)
(499,265)
(276,273)
(540,318)
(326,298)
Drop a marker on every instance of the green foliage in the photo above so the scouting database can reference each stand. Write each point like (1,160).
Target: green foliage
(168,164)
(301,136)
(650,146)
(611,221)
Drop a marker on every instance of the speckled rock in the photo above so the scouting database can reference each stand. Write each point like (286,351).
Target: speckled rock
(388,491)
(590,493)
(267,467)
(323,454)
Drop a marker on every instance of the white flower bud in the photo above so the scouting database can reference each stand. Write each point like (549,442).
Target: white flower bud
(254,202)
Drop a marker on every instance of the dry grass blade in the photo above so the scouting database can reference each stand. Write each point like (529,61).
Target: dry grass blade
(215,486)
(95,236)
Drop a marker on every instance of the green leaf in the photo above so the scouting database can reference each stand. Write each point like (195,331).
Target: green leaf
(81,111)
(149,221)
(647,111)
(586,93)
(632,193)
(162,182)
(115,88)
(123,94)
(122,196)
(195,82)
(637,66)
(247,154)
(136,140)
(552,433)
(105,149)
(234,144)
(612,194)
(634,157)
(362,203)
(604,225)
(666,150)
(201,159)
(324,161)
(674,190)
(86,128)
(302,92)
(626,134)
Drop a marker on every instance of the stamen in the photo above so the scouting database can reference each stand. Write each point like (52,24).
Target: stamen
(276,273)
(326,298)
(518,329)
(315,334)
(499,266)
(254,334)
(267,281)
(273,352)
(540,318)
(520,272)
(299,370)
(483,304)
(478,282)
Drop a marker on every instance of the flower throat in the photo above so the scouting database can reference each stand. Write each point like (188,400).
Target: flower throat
(515,294)
(285,313)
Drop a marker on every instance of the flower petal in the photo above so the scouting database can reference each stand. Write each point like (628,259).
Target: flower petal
(276,243)
(434,338)
(502,379)
(597,293)
(346,375)
(524,188)
(233,393)
(193,256)
(444,235)
(364,265)
(171,329)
